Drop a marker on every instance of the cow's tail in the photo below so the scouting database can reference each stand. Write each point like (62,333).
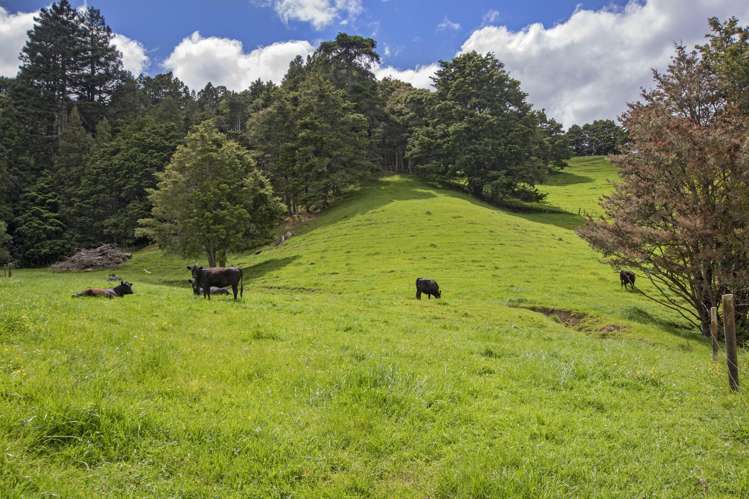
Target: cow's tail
(241,283)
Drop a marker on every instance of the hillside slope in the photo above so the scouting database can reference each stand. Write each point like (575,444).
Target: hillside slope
(330,379)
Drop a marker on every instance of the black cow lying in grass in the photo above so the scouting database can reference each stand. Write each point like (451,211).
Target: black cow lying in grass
(627,278)
(197,290)
(124,288)
(428,287)
(206,278)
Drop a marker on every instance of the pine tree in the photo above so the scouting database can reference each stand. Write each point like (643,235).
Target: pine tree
(312,143)
(101,70)
(70,168)
(41,236)
(51,63)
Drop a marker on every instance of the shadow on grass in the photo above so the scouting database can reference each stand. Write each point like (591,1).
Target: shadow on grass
(566,178)
(682,330)
(371,197)
(268,266)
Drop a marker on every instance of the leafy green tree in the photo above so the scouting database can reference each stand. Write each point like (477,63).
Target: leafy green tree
(726,53)
(481,132)
(600,138)
(312,143)
(211,199)
(404,111)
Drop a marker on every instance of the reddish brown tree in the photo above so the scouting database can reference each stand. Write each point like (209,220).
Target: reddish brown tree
(680,213)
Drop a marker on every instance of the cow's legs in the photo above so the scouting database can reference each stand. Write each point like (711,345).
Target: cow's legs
(234,290)
(418,294)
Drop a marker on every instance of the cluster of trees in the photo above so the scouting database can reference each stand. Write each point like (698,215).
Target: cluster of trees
(600,138)
(84,145)
(680,213)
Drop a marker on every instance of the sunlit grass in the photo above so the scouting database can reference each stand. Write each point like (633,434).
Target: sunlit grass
(331,379)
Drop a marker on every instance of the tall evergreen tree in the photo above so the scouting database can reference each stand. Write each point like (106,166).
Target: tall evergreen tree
(101,70)
(70,167)
(312,143)
(51,63)
(40,235)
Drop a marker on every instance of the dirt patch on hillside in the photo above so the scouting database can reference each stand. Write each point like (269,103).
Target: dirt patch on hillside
(567,317)
(578,321)
(106,256)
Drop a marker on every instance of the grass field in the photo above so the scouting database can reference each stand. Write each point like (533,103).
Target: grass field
(330,380)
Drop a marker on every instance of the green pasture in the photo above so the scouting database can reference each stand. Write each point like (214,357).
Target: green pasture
(329,379)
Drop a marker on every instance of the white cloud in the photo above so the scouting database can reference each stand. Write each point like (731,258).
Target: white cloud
(447,24)
(222,61)
(490,17)
(13,28)
(592,64)
(419,77)
(134,57)
(319,13)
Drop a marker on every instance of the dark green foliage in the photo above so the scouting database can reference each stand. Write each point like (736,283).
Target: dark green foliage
(4,243)
(121,170)
(312,143)
(211,199)
(70,167)
(600,138)
(40,236)
(482,133)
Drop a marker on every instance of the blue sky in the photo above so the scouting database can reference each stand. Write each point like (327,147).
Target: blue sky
(408,28)
(579,60)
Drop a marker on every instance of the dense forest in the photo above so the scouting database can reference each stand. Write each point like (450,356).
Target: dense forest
(83,143)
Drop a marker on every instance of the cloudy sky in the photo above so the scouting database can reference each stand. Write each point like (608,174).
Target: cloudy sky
(579,59)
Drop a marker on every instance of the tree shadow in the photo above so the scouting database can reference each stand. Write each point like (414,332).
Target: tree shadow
(372,197)
(566,178)
(680,329)
(268,266)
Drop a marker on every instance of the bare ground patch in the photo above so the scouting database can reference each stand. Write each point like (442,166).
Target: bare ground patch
(578,321)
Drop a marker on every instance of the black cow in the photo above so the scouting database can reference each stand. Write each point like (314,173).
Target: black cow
(197,290)
(208,277)
(428,287)
(627,278)
(122,289)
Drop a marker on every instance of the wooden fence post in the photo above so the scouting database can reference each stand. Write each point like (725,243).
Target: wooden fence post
(729,329)
(714,331)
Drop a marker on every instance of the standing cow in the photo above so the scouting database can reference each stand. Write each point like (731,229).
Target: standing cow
(427,287)
(206,277)
(627,278)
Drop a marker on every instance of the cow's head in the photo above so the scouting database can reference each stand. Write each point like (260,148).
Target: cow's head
(438,293)
(195,273)
(125,288)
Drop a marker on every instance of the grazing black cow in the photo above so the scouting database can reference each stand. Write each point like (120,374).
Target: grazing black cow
(207,277)
(428,287)
(122,289)
(627,278)
(197,290)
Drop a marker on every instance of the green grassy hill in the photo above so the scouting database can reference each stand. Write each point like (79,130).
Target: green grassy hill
(329,379)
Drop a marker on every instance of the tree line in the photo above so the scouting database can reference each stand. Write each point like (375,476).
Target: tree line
(85,145)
